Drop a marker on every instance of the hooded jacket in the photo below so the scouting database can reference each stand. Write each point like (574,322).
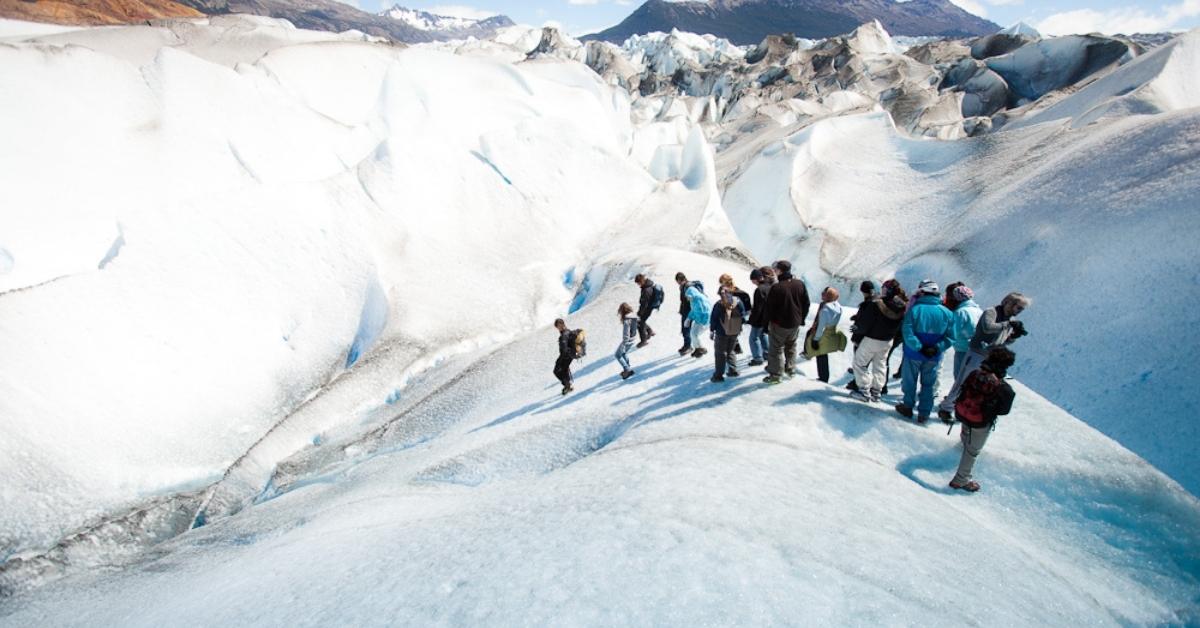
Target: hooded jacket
(927,323)
(646,300)
(758,312)
(880,319)
(787,303)
(966,317)
(699,305)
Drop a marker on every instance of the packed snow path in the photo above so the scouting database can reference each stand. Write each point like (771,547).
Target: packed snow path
(668,499)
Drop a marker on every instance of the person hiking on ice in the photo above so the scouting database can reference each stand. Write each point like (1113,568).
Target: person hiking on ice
(725,321)
(983,396)
(762,278)
(787,307)
(629,336)
(651,298)
(566,353)
(867,289)
(878,320)
(685,310)
(726,281)
(698,313)
(997,327)
(966,316)
(823,335)
(926,330)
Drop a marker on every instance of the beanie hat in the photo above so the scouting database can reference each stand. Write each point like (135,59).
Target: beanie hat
(963,293)
(866,287)
(929,286)
(756,275)
(783,266)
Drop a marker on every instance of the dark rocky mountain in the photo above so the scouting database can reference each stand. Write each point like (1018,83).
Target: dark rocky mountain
(749,21)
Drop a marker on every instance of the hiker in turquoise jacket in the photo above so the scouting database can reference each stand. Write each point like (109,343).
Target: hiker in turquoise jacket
(697,318)
(927,332)
(966,317)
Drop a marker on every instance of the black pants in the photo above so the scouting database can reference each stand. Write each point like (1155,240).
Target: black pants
(562,370)
(823,368)
(724,355)
(644,330)
(685,330)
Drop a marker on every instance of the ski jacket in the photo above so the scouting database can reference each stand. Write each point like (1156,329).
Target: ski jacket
(856,329)
(685,306)
(699,305)
(879,319)
(566,342)
(629,326)
(927,324)
(787,303)
(725,322)
(758,312)
(993,330)
(646,300)
(966,317)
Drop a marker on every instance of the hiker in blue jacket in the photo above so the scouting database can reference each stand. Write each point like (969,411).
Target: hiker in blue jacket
(697,318)
(926,330)
(966,316)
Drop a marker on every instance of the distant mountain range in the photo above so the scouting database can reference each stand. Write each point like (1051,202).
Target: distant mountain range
(397,24)
(749,21)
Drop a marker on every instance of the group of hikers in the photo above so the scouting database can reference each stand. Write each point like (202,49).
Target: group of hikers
(925,325)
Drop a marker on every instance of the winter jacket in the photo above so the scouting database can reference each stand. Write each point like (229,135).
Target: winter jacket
(566,343)
(629,328)
(727,325)
(758,312)
(966,317)
(646,301)
(993,330)
(856,330)
(879,319)
(927,323)
(828,315)
(824,332)
(787,303)
(685,307)
(699,305)
(744,297)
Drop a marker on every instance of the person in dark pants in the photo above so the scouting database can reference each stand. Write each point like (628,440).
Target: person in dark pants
(829,314)
(867,288)
(685,311)
(763,278)
(566,353)
(787,307)
(645,308)
(725,323)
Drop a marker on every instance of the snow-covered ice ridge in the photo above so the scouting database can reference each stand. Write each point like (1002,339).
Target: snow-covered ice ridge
(304,279)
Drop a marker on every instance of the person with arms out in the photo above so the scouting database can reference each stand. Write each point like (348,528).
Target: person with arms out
(629,334)
(823,337)
(762,278)
(982,398)
(651,298)
(966,317)
(879,322)
(787,308)
(926,331)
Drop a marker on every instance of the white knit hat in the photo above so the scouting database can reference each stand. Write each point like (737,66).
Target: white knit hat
(929,286)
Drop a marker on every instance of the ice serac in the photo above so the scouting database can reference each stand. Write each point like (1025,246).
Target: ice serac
(1038,68)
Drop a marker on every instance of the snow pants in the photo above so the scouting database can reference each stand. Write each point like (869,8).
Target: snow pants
(973,440)
(695,334)
(562,370)
(870,365)
(760,343)
(782,356)
(927,372)
(623,350)
(964,363)
(723,355)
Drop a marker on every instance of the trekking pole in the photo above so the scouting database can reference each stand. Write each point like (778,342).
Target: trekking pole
(951,429)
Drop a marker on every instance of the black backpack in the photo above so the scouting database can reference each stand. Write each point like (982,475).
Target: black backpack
(657,300)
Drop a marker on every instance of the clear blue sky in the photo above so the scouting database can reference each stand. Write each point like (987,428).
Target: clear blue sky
(1050,16)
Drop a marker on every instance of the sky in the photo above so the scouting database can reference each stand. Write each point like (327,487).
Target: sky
(1052,17)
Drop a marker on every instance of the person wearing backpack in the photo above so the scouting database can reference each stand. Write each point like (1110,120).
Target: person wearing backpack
(699,310)
(787,308)
(879,322)
(867,289)
(762,278)
(651,298)
(983,397)
(997,327)
(823,336)
(629,335)
(566,353)
(726,320)
(726,281)
(685,311)
(966,317)
(926,331)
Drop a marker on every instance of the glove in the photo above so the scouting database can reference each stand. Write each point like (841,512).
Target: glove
(1018,329)
(929,351)
(816,343)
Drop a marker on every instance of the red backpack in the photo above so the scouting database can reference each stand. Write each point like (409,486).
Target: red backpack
(981,386)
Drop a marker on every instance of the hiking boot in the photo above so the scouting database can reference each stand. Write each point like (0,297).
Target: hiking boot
(699,352)
(627,374)
(853,385)
(946,417)
(771,380)
(685,349)
(969,486)
(921,420)
(904,410)
(884,391)
(732,373)
(566,389)
(857,395)
(756,362)
(790,371)
(875,397)
(643,343)
(716,379)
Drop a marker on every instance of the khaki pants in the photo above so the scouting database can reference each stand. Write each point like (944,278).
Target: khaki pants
(782,356)
(870,365)
(973,440)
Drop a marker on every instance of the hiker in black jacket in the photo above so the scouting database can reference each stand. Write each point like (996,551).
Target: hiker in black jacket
(566,353)
(983,397)
(763,278)
(867,288)
(645,308)
(787,307)
(877,323)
